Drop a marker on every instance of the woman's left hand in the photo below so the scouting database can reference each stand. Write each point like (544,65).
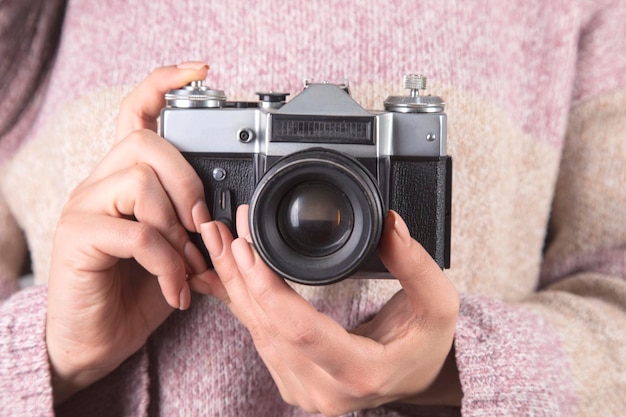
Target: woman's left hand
(403,355)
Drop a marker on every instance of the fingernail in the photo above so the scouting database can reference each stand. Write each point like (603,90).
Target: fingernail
(194,258)
(184,298)
(193,65)
(243,254)
(212,238)
(399,227)
(200,214)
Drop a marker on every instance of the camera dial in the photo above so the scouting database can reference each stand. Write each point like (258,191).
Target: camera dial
(272,99)
(196,94)
(415,102)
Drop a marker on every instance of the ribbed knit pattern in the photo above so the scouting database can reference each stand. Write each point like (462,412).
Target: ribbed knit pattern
(536,104)
(24,370)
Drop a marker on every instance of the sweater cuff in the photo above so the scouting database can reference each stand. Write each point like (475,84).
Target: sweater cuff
(510,361)
(124,392)
(24,366)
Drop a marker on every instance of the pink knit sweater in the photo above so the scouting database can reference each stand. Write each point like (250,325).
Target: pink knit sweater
(536,103)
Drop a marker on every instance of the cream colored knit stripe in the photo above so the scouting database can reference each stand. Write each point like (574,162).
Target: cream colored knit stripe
(588,226)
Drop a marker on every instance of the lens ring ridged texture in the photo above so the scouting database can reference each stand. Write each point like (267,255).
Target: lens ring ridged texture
(336,259)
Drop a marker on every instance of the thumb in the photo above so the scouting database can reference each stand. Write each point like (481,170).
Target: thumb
(425,284)
(141,108)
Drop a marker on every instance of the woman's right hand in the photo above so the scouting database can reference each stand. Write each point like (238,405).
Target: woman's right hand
(122,255)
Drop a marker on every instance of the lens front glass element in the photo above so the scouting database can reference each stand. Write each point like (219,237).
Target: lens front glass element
(315,219)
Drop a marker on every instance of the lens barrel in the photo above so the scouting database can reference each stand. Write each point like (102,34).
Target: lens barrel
(316,216)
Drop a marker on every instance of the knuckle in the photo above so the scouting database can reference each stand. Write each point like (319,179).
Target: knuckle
(78,263)
(144,238)
(259,335)
(143,176)
(256,332)
(189,183)
(69,235)
(306,336)
(189,180)
(262,292)
(228,275)
(342,396)
(177,232)
(367,387)
(177,267)
(142,235)
(170,272)
(365,382)
(263,332)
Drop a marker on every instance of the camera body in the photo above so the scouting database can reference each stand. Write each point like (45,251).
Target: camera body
(319,172)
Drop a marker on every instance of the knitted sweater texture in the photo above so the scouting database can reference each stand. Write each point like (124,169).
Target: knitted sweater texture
(536,104)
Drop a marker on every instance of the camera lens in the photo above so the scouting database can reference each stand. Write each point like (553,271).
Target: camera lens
(316,216)
(315,219)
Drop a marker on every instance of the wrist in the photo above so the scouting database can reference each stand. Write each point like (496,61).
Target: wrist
(62,388)
(445,390)
(66,379)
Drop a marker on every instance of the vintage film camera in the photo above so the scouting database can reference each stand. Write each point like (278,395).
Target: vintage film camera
(319,172)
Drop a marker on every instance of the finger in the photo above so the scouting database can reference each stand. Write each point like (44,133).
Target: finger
(243,227)
(219,243)
(295,324)
(427,287)
(217,239)
(136,191)
(113,238)
(307,348)
(141,108)
(286,365)
(207,283)
(289,334)
(179,180)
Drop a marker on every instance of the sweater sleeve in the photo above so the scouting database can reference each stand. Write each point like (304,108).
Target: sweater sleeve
(124,392)
(562,350)
(24,370)
(25,388)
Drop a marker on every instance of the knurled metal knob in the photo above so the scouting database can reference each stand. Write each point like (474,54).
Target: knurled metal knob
(195,94)
(415,83)
(414,102)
